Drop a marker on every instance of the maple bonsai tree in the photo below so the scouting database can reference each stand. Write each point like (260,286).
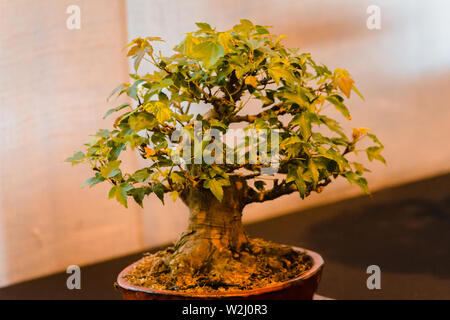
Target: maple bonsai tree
(220,73)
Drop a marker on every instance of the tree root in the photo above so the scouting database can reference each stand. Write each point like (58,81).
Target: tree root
(198,266)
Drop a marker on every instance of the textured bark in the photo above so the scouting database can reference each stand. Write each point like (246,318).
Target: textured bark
(215,230)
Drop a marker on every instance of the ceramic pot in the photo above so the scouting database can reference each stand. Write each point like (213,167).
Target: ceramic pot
(300,288)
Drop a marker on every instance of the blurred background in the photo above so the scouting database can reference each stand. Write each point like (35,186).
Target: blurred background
(53,87)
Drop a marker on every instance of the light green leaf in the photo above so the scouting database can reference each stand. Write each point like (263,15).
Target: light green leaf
(122,106)
(209,52)
(141,175)
(111,170)
(120,193)
(216,188)
(303,120)
(77,157)
(339,105)
(278,72)
(94,180)
(119,89)
(204,26)
(374,153)
(352,177)
(132,91)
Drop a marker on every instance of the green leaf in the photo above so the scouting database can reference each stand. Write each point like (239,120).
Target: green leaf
(111,170)
(333,125)
(335,156)
(352,177)
(94,180)
(294,97)
(159,190)
(119,88)
(314,172)
(374,139)
(339,105)
(77,157)
(204,26)
(177,177)
(216,188)
(291,140)
(156,87)
(359,168)
(261,30)
(374,153)
(139,194)
(209,52)
(295,174)
(218,124)
(120,193)
(142,120)
(112,192)
(141,175)
(278,72)
(122,106)
(303,120)
(132,91)
(246,26)
(182,117)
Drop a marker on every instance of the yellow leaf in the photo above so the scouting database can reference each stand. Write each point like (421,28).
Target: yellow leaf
(281,37)
(358,132)
(226,40)
(132,51)
(174,195)
(149,152)
(345,84)
(364,130)
(343,81)
(252,81)
(320,100)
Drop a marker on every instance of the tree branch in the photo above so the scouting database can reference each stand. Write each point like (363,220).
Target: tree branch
(281,190)
(278,109)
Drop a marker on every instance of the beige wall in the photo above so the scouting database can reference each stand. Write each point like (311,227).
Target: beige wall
(53,84)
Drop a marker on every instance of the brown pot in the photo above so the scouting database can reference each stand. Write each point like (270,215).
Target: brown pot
(301,288)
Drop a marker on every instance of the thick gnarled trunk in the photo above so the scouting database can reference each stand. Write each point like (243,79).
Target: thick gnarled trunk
(215,230)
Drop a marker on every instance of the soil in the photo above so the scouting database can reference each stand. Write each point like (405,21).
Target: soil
(260,264)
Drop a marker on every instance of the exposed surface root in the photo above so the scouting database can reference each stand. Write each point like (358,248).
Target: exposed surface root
(259,264)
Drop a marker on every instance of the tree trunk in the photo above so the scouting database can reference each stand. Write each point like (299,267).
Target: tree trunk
(215,230)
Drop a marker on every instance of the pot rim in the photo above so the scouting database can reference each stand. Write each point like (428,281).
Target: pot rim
(317,260)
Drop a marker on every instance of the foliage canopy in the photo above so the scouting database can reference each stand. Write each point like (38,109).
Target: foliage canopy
(224,71)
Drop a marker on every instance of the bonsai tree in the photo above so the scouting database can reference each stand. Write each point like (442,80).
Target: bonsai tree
(220,73)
